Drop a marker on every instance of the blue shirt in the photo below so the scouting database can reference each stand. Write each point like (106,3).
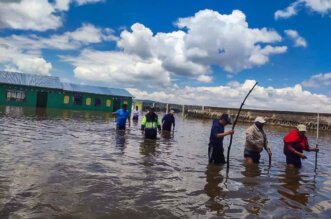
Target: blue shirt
(122,116)
(168,120)
(216,128)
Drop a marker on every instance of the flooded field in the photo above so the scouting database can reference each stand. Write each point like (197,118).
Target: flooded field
(67,164)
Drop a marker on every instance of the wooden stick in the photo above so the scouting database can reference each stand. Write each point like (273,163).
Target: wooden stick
(233,126)
(317,129)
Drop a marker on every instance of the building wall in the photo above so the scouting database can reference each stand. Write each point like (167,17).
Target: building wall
(56,99)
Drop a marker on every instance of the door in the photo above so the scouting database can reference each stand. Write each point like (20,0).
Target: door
(42,99)
(117,105)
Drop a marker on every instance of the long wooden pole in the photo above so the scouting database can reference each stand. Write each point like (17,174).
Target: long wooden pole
(233,126)
(317,129)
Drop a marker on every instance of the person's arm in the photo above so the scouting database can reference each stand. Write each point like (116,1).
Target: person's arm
(291,149)
(129,118)
(163,119)
(143,123)
(174,124)
(267,148)
(115,113)
(221,135)
(307,147)
(158,124)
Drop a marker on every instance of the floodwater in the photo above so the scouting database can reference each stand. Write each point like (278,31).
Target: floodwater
(69,164)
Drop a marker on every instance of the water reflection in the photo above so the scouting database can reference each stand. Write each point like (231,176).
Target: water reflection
(167,134)
(290,189)
(148,147)
(120,139)
(214,188)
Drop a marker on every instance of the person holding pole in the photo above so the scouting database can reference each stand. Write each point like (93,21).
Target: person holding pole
(215,149)
(295,142)
(256,140)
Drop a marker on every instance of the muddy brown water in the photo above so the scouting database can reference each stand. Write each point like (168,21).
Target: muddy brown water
(68,164)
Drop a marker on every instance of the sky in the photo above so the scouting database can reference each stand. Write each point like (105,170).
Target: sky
(197,52)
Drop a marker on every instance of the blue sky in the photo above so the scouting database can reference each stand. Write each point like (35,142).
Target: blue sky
(205,52)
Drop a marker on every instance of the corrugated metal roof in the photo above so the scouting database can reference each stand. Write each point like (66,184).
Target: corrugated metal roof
(30,80)
(95,90)
(55,83)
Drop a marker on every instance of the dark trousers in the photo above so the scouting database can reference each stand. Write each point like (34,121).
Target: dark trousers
(150,133)
(215,154)
(120,127)
(293,159)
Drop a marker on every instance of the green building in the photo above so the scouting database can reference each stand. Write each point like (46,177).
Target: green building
(18,89)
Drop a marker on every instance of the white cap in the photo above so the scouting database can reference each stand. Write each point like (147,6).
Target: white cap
(259,119)
(302,128)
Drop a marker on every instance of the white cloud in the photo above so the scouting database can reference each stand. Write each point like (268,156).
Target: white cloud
(62,5)
(232,94)
(298,40)
(37,15)
(23,53)
(85,35)
(117,68)
(227,41)
(205,40)
(15,59)
(205,78)
(319,6)
(288,12)
(83,2)
(319,80)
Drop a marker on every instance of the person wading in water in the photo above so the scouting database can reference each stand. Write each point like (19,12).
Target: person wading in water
(150,124)
(295,142)
(122,115)
(215,149)
(256,140)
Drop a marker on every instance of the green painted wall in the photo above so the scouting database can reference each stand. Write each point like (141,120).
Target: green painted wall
(56,99)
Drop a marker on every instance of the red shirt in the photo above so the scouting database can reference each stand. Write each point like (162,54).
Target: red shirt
(294,142)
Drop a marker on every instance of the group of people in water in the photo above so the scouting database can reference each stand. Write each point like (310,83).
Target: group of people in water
(295,142)
(150,123)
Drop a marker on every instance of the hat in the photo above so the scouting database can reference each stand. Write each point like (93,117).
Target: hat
(226,118)
(172,111)
(301,128)
(259,119)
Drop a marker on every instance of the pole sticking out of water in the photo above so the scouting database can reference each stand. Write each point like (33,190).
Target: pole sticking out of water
(317,129)
(167,109)
(183,110)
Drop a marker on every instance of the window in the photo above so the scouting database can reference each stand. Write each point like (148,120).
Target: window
(97,102)
(66,99)
(108,103)
(16,95)
(78,99)
(88,101)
